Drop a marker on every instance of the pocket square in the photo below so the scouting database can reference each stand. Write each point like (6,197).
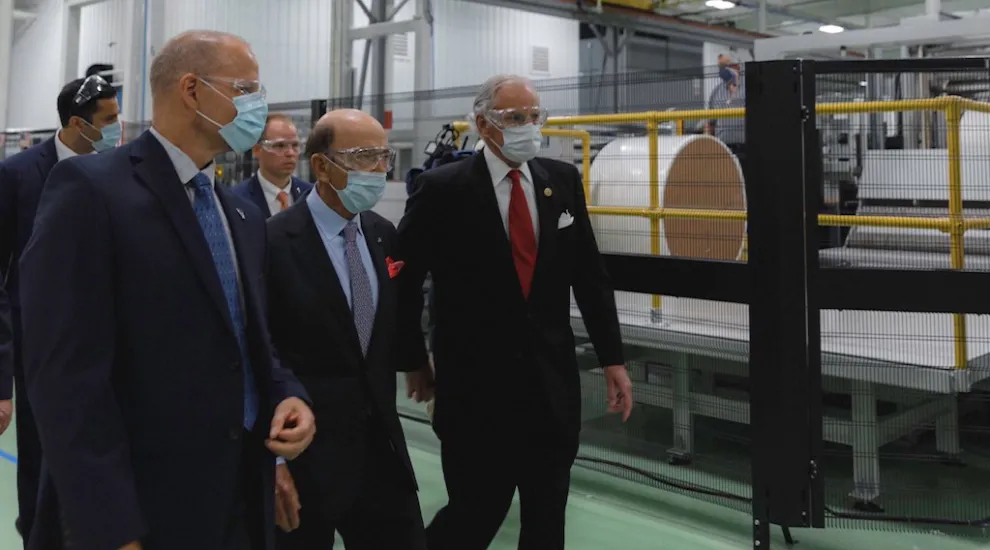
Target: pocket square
(565,220)
(393,267)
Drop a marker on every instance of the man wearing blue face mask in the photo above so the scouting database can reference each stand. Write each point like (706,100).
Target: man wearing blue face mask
(159,399)
(506,237)
(87,110)
(332,286)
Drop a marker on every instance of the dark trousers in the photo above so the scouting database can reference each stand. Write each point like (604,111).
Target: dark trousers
(28,447)
(244,531)
(384,516)
(482,479)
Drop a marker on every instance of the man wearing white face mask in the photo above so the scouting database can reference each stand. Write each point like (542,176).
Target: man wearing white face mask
(332,286)
(158,396)
(506,237)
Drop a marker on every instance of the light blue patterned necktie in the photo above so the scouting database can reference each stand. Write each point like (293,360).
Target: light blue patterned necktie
(362,303)
(209,216)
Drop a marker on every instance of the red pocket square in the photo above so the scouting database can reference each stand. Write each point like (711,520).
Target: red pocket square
(393,267)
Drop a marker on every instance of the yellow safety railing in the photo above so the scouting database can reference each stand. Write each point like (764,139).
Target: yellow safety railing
(955,224)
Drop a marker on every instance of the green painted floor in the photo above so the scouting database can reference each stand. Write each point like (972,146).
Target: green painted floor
(605,513)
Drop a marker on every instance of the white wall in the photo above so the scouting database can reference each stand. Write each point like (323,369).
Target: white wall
(36,69)
(101,35)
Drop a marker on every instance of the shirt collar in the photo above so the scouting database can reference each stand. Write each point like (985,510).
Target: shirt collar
(270,189)
(61,149)
(500,170)
(185,168)
(329,222)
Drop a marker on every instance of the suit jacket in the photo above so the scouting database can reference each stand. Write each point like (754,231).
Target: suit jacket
(313,329)
(131,359)
(250,189)
(502,360)
(22,178)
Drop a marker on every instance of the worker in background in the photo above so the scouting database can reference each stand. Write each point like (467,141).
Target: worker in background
(730,93)
(332,289)
(273,187)
(506,237)
(157,393)
(87,110)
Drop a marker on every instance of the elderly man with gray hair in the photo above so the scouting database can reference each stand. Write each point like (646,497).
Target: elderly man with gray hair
(506,237)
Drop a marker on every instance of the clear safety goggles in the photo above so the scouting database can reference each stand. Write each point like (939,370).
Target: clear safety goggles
(280,146)
(243,86)
(512,118)
(94,86)
(366,159)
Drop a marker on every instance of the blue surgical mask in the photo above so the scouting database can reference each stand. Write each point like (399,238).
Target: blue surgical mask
(363,191)
(522,143)
(245,130)
(110,137)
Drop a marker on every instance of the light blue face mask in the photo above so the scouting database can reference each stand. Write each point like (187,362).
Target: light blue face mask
(245,130)
(110,137)
(363,191)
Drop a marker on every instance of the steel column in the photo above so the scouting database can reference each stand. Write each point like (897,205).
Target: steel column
(341,72)
(6,43)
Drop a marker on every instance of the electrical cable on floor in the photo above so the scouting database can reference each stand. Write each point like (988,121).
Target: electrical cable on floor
(982,523)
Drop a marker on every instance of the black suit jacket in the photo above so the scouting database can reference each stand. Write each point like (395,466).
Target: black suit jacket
(22,178)
(313,329)
(502,361)
(131,360)
(251,190)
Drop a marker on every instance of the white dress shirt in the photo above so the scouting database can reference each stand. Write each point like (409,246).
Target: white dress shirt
(271,192)
(499,171)
(61,149)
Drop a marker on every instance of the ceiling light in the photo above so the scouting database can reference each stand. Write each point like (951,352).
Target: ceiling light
(720,4)
(831,29)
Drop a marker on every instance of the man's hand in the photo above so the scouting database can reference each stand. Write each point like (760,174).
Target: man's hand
(293,427)
(132,546)
(6,414)
(419,384)
(286,500)
(619,389)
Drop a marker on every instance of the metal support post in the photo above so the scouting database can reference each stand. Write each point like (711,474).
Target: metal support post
(383,58)
(761,17)
(6,43)
(341,72)
(135,60)
(423,124)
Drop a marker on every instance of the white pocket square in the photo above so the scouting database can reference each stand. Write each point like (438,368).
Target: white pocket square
(565,220)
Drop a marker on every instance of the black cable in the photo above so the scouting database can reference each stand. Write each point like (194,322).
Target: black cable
(915,520)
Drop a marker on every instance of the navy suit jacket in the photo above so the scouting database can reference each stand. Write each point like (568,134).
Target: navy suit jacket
(22,177)
(251,190)
(131,360)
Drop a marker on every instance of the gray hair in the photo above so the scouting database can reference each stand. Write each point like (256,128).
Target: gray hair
(486,95)
(197,52)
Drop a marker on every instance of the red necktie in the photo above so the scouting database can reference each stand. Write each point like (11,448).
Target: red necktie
(522,237)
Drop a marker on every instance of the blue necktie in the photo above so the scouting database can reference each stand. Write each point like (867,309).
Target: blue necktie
(363,304)
(210,221)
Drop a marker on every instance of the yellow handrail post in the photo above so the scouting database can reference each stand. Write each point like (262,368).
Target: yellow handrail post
(653,138)
(957,249)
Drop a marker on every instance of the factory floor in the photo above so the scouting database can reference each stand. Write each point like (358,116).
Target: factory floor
(604,513)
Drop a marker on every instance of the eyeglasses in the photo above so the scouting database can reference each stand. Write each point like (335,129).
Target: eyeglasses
(94,86)
(366,159)
(280,146)
(243,86)
(511,118)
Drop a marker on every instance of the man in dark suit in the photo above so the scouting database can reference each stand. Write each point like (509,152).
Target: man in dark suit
(87,109)
(146,346)
(332,283)
(273,188)
(506,237)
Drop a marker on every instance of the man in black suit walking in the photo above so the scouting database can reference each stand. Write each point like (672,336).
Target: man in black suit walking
(506,237)
(158,397)
(332,282)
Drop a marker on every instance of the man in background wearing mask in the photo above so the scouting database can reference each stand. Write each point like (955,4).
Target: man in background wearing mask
(87,109)
(729,94)
(506,237)
(157,393)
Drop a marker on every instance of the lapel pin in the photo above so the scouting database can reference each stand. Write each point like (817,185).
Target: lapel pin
(240,213)
(547,192)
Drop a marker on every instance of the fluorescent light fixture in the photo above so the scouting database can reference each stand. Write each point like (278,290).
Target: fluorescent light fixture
(831,29)
(720,4)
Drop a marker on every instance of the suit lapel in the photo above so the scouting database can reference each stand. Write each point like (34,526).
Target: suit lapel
(490,218)
(547,214)
(311,254)
(236,217)
(155,170)
(47,159)
(258,195)
(296,189)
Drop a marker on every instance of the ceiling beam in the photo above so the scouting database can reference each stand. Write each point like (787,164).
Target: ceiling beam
(23,15)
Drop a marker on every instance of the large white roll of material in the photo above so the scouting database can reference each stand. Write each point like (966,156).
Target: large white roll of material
(697,172)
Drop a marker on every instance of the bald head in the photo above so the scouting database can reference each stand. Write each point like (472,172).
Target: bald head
(345,129)
(198,52)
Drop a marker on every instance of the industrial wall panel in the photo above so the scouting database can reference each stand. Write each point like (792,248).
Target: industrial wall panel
(36,70)
(101,34)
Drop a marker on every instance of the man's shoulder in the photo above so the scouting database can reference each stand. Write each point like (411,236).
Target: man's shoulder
(243,187)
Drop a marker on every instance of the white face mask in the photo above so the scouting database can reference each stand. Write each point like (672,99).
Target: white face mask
(521,143)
